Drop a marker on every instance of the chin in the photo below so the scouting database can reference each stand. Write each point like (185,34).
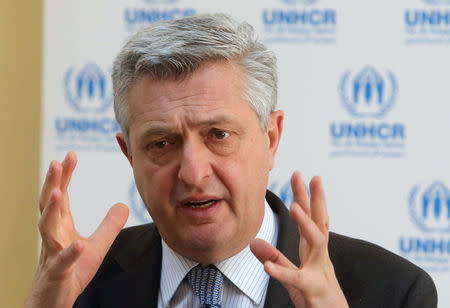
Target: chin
(208,241)
(207,248)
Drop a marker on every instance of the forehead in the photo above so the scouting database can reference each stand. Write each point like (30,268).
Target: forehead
(213,90)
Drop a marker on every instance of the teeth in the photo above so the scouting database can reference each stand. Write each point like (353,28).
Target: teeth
(201,204)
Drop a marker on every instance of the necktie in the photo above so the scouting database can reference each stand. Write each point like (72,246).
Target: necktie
(207,282)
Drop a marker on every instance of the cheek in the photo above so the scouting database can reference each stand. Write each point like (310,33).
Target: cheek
(154,185)
(257,154)
(245,174)
(228,147)
(258,165)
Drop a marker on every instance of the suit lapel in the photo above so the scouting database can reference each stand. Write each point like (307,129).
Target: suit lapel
(288,239)
(138,284)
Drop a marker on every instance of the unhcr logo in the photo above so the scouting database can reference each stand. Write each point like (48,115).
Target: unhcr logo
(88,89)
(297,22)
(306,2)
(87,125)
(368,93)
(437,2)
(428,24)
(430,209)
(161,1)
(137,18)
(284,191)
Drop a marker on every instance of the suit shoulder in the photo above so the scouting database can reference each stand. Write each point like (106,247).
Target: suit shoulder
(363,253)
(135,232)
(131,235)
(368,272)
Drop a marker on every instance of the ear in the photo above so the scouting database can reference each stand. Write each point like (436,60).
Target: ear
(123,146)
(274,130)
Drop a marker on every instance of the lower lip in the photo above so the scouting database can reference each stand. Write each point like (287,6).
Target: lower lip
(202,213)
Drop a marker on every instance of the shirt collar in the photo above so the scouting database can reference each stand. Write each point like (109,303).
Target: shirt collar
(242,269)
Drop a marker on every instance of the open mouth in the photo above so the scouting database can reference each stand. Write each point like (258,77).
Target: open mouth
(201,204)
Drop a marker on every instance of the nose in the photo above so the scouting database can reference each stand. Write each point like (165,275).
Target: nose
(195,164)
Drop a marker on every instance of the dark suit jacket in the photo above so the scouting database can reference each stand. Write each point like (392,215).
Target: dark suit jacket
(369,275)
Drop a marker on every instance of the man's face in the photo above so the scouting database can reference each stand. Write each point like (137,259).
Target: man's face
(201,160)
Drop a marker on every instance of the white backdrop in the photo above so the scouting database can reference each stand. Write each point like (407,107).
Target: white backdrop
(363,83)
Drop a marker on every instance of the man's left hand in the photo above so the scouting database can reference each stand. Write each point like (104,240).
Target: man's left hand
(314,283)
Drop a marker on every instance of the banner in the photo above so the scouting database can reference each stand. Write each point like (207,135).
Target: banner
(363,85)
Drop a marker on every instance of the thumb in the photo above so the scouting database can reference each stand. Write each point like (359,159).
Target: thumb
(111,225)
(264,252)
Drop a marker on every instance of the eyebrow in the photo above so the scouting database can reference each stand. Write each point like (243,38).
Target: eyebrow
(164,129)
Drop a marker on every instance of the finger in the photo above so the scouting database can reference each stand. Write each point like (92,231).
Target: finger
(308,229)
(110,227)
(68,165)
(288,277)
(303,249)
(319,213)
(49,221)
(68,256)
(300,193)
(264,252)
(52,180)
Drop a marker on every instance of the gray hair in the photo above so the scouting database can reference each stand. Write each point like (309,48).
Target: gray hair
(174,49)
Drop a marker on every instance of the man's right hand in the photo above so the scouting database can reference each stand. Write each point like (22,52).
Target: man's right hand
(68,261)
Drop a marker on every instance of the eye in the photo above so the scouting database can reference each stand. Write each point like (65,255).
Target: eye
(161,144)
(220,134)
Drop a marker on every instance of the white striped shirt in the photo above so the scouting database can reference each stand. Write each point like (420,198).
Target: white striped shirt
(245,281)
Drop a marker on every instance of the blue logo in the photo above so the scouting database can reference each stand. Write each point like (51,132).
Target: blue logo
(103,126)
(368,93)
(305,2)
(88,89)
(292,19)
(428,26)
(137,18)
(161,1)
(143,17)
(437,2)
(424,18)
(430,209)
(88,126)
(298,24)
(284,191)
(138,207)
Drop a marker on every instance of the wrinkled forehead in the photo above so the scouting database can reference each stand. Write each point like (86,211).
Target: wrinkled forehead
(214,91)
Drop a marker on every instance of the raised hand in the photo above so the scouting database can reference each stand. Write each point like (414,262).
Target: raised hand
(68,261)
(314,283)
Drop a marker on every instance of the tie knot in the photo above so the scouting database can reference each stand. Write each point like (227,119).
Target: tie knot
(207,282)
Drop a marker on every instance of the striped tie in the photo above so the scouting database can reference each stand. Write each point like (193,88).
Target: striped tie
(207,282)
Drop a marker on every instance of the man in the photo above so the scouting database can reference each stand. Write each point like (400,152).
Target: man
(195,99)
